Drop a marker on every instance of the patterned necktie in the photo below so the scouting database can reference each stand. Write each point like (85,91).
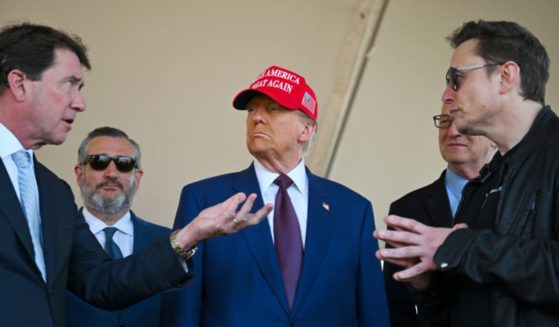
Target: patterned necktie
(110,246)
(29,197)
(287,237)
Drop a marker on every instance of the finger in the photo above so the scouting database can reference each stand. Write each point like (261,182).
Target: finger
(406,252)
(412,272)
(233,202)
(408,224)
(402,262)
(459,226)
(259,215)
(236,223)
(403,237)
(242,214)
(395,244)
(229,206)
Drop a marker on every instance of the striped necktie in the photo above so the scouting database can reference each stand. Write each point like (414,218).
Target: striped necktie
(29,197)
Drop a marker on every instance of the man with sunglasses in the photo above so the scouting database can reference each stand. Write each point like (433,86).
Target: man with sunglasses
(501,266)
(109,173)
(46,247)
(436,204)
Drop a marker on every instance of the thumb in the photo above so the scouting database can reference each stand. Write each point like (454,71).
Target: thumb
(459,226)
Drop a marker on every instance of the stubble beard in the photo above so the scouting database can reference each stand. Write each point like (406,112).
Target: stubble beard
(93,198)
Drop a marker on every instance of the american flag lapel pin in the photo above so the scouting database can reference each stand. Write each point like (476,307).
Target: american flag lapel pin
(326,206)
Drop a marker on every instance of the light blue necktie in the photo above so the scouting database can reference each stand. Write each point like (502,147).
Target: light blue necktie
(29,197)
(110,245)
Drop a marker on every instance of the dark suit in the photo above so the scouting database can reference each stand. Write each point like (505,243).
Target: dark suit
(239,282)
(430,206)
(73,258)
(143,314)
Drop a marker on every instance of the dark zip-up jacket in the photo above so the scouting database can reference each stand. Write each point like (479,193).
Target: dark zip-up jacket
(516,261)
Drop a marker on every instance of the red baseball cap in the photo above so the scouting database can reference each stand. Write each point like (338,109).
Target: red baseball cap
(285,87)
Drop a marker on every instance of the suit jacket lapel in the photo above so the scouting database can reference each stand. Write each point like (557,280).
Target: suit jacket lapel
(437,205)
(139,242)
(142,236)
(49,224)
(259,237)
(320,226)
(11,209)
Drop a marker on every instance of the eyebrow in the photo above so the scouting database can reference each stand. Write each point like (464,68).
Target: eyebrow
(74,79)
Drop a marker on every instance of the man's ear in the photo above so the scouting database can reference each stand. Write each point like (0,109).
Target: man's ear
(138,173)
(17,84)
(510,76)
(307,132)
(78,170)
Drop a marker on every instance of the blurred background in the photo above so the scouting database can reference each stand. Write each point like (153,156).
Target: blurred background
(166,72)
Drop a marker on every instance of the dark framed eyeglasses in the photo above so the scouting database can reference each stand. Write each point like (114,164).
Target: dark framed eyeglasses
(454,74)
(124,164)
(442,121)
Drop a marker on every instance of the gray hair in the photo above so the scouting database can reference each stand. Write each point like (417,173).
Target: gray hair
(308,120)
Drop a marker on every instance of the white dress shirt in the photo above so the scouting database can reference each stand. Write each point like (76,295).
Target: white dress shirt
(298,192)
(11,145)
(123,237)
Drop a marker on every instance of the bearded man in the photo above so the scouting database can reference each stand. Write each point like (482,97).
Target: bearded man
(108,173)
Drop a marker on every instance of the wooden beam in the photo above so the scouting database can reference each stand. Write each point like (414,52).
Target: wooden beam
(348,74)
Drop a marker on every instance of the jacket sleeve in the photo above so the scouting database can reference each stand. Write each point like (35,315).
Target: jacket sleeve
(181,308)
(402,298)
(401,305)
(114,284)
(372,306)
(527,269)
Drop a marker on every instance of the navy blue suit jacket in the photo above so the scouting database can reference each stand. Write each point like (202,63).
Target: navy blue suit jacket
(238,278)
(73,258)
(142,314)
(430,206)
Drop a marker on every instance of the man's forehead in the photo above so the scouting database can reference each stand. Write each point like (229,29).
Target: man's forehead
(109,143)
(67,60)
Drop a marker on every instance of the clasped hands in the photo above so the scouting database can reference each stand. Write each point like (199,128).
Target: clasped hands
(222,219)
(413,247)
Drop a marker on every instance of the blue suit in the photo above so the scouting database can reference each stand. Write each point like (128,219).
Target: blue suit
(143,314)
(238,279)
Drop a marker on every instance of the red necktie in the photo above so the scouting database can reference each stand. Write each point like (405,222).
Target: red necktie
(287,238)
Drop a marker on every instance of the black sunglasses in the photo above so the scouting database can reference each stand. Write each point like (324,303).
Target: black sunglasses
(124,164)
(454,74)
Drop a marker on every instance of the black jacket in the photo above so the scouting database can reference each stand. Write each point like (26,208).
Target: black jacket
(428,205)
(516,261)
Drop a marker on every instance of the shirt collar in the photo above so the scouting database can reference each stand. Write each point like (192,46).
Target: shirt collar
(266,178)
(10,143)
(454,181)
(124,224)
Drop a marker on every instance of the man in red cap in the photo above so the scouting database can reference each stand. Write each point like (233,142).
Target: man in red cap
(312,262)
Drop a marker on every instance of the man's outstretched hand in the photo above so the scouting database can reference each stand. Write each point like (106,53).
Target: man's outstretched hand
(222,219)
